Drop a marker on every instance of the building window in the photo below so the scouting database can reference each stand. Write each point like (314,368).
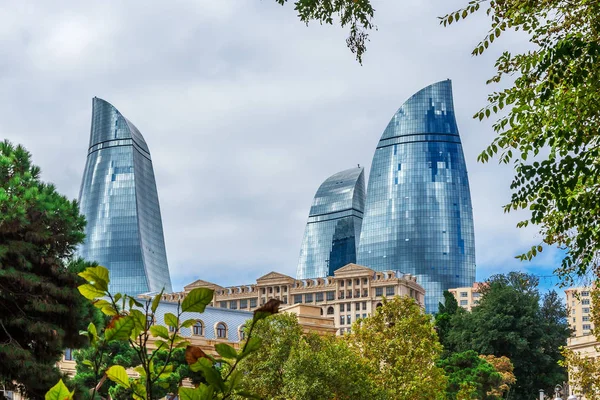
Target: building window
(171,329)
(330,310)
(349,294)
(573,311)
(221,331)
(262,290)
(357,317)
(585,310)
(356,306)
(389,291)
(198,328)
(341,294)
(464,302)
(242,332)
(585,294)
(68,355)
(319,297)
(252,303)
(233,304)
(308,298)
(243,304)
(364,305)
(348,319)
(330,296)
(364,315)
(342,283)
(378,305)
(365,281)
(342,320)
(357,282)
(284,299)
(586,327)
(357,293)
(297,298)
(365,292)
(476,294)
(349,282)
(585,302)
(270,290)
(342,307)
(464,294)
(223,304)
(379,291)
(586,318)
(574,320)
(278,289)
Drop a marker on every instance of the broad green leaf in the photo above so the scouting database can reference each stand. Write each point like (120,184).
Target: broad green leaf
(90,292)
(140,370)
(189,393)
(188,323)
(117,374)
(159,331)
(252,345)
(97,276)
(226,351)
(59,392)
(212,376)
(133,301)
(120,330)
(156,301)
(197,300)
(171,320)
(139,319)
(105,306)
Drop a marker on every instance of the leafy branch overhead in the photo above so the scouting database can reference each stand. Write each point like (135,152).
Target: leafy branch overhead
(547,120)
(358,14)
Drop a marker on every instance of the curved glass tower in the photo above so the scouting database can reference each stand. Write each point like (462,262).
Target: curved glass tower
(119,200)
(418,215)
(333,227)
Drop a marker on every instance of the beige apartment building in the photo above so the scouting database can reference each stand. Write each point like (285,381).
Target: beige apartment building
(352,293)
(467,297)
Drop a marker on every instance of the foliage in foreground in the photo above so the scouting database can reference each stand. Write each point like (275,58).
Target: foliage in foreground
(550,130)
(510,322)
(41,311)
(401,347)
(293,365)
(133,322)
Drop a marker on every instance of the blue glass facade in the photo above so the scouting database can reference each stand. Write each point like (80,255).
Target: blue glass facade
(418,214)
(119,200)
(333,227)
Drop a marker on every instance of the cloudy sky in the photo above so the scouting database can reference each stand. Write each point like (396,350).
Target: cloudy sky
(246,111)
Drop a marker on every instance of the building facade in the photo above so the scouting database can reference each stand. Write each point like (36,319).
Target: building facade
(418,215)
(467,297)
(333,228)
(119,200)
(352,293)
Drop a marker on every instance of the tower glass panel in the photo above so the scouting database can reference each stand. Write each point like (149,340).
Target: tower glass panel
(418,214)
(334,222)
(119,200)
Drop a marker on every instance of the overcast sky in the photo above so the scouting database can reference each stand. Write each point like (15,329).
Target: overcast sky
(246,111)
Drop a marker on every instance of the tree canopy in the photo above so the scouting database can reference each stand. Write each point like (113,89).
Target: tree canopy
(41,311)
(515,321)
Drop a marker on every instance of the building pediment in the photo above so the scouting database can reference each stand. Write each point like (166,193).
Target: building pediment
(353,269)
(273,277)
(201,284)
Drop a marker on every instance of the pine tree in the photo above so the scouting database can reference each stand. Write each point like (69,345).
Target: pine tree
(41,311)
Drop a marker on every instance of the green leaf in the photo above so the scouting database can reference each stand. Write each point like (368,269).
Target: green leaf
(226,351)
(88,363)
(97,276)
(252,345)
(140,370)
(159,331)
(120,330)
(189,394)
(117,374)
(197,300)
(133,301)
(156,301)
(59,392)
(188,323)
(171,320)
(90,292)
(106,307)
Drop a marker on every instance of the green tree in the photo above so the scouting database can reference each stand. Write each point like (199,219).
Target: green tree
(509,321)
(469,370)
(400,345)
(549,131)
(358,14)
(41,312)
(443,318)
(290,365)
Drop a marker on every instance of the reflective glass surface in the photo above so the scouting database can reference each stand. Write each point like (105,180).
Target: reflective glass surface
(333,227)
(418,214)
(119,200)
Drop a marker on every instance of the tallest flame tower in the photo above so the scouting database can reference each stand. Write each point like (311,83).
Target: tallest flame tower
(418,216)
(119,200)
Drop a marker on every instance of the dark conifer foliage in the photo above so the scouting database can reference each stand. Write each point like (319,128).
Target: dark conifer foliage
(41,310)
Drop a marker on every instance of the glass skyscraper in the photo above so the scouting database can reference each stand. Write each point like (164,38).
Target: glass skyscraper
(119,200)
(333,227)
(418,214)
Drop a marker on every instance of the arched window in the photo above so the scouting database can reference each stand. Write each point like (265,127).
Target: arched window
(330,310)
(241,332)
(221,331)
(198,329)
